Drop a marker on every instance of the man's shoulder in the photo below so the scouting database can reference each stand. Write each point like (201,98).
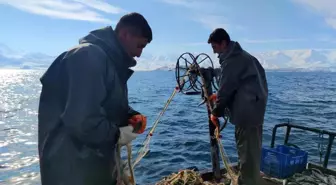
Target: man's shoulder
(85,56)
(253,61)
(85,49)
(250,55)
(245,58)
(240,58)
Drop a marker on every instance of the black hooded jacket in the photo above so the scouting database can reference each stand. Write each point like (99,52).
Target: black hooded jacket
(83,103)
(242,89)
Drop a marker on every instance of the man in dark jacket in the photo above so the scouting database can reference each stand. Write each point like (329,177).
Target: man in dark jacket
(243,90)
(83,109)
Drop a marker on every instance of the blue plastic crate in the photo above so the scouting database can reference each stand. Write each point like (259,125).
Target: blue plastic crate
(282,161)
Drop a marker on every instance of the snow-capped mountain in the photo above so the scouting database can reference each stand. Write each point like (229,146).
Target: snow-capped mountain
(299,59)
(149,62)
(10,58)
(291,60)
(288,60)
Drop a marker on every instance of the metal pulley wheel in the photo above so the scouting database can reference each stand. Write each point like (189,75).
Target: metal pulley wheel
(187,69)
(185,78)
(204,61)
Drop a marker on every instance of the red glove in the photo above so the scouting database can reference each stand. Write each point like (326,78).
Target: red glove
(214,120)
(213,97)
(138,123)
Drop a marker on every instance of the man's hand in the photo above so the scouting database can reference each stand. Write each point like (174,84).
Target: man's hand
(139,123)
(213,97)
(214,120)
(136,125)
(126,135)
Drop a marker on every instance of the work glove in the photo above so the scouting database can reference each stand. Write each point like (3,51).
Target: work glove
(126,135)
(136,126)
(213,97)
(139,123)
(214,120)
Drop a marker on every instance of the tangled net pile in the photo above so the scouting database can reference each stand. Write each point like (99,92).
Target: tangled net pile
(189,177)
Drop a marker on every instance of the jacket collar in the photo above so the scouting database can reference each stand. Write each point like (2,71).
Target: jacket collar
(106,39)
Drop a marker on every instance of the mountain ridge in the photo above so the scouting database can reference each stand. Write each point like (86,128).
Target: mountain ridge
(286,60)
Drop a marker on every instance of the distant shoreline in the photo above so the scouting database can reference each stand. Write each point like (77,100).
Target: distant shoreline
(299,70)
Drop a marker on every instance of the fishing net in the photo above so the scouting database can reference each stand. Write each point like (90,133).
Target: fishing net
(190,177)
(226,161)
(312,176)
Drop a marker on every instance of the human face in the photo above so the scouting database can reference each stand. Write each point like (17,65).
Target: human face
(134,44)
(218,48)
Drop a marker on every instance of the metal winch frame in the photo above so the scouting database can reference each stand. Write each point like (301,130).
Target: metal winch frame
(192,79)
(187,66)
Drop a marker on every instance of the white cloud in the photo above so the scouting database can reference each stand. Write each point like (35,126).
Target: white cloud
(178,2)
(194,4)
(212,21)
(83,10)
(325,8)
(204,12)
(102,6)
(331,21)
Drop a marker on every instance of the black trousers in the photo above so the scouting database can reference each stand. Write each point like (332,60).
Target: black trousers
(249,143)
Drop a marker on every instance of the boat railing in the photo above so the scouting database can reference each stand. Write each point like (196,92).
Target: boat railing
(315,130)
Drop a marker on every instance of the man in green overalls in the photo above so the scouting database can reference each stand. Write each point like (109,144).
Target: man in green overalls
(243,90)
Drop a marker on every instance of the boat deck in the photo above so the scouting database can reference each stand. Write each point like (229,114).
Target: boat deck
(208,175)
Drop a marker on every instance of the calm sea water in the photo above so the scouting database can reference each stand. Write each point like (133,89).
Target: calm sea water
(181,139)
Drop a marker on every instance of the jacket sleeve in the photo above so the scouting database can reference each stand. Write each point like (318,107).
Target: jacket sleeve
(132,112)
(228,84)
(84,117)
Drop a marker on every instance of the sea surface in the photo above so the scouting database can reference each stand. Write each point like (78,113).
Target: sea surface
(181,139)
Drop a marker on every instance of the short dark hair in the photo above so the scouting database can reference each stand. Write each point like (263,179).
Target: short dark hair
(218,36)
(137,24)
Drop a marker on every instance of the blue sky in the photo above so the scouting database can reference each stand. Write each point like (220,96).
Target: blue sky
(51,26)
